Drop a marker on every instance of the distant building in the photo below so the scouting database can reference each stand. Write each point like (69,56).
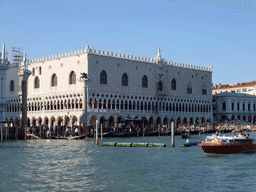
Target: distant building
(234,106)
(246,87)
(120,86)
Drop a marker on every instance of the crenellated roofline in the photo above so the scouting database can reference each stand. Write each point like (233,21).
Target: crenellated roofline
(87,50)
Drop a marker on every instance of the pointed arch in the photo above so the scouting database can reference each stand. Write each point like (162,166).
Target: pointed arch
(36,83)
(54,80)
(173,84)
(103,77)
(11,85)
(144,81)
(160,86)
(124,79)
(189,89)
(72,78)
(204,90)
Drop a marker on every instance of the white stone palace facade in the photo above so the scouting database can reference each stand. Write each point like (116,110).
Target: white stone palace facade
(3,69)
(120,86)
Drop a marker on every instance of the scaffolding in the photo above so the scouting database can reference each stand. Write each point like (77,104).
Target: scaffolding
(16,56)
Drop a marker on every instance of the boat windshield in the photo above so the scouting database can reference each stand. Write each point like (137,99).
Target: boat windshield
(223,140)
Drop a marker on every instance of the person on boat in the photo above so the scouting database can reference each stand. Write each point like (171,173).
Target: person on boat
(234,135)
(76,131)
(248,136)
(216,134)
(67,131)
(240,134)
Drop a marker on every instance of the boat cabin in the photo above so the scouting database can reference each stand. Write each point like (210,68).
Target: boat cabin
(227,140)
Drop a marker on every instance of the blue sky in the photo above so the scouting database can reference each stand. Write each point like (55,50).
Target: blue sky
(198,32)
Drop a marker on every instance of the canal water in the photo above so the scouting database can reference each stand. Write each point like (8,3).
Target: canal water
(69,165)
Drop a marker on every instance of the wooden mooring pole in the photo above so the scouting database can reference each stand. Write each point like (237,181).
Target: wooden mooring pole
(172,134)
(97,141)
(16,132)
(2,137)
(101,131)
(143,129)
(6,133)
(86,131)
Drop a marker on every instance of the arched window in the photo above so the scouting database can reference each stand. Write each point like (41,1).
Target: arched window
(173,84)
(160,86)
(189,89)
(72,78)
(54,80)
(40,71)
(33,71)
(103,77)
(12,85)
(204,90)
(124,79)
(36,83)
(144,81)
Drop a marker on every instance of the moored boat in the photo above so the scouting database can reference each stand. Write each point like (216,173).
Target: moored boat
(227,145)
(185,136)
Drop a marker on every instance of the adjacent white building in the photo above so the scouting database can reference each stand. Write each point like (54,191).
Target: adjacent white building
(120,86)
(234,106)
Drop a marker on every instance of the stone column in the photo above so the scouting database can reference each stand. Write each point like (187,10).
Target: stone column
(24,74)
(85,101)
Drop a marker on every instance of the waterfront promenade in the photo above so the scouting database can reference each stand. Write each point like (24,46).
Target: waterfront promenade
(42,132)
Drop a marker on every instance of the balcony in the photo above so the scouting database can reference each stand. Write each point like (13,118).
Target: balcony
(161,93)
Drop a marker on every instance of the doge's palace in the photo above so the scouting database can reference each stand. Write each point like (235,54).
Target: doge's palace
(3,69)
(119,86)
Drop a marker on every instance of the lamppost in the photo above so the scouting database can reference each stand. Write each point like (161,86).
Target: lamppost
(85,79)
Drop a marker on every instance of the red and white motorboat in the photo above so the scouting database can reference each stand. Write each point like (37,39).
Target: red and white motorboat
(227,145)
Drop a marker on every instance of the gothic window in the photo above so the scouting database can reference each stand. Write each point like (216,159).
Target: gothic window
(144,81)
(124,79)
(189,89)
(36,83)
(33,71)
(40,71)
(54,80)
(72,78)
(160,86)
(204,90)
(103,77)
(173,84)
(12,85)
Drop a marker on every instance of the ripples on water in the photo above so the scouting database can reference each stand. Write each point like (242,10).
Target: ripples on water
(59,165)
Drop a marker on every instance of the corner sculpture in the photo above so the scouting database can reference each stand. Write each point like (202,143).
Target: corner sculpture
(83,76)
